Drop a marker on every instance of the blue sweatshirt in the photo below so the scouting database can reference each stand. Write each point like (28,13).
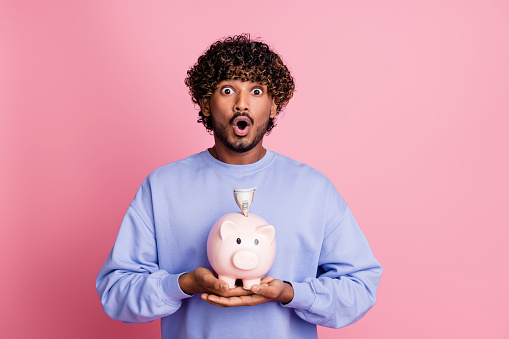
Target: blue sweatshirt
(321,251)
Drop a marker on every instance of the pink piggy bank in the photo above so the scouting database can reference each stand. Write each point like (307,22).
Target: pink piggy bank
(241,247)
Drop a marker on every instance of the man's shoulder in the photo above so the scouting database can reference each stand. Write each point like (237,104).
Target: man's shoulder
(299,168)
(187,164)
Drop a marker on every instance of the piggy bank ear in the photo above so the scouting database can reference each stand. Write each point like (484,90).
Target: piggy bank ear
(227,227)
(267,231)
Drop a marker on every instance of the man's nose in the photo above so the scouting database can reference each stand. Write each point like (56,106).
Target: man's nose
(242,103)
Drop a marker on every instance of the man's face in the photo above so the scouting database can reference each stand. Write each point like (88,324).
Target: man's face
(240,112)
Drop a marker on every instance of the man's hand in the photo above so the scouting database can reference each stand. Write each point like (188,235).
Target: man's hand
(269,289)
(202,280)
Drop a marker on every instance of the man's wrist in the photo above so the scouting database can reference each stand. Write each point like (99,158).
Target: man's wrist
(186,283)
(287,294)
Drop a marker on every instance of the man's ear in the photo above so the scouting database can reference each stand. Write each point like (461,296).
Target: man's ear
(205,107)
(273,110)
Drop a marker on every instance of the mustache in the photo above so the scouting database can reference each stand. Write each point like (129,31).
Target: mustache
(239,114)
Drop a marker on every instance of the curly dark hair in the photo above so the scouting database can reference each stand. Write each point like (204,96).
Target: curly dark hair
(239,58)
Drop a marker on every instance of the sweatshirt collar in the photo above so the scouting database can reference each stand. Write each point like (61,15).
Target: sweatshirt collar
(238,169)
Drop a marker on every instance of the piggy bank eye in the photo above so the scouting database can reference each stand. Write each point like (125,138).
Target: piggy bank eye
(256,242)
(239,241)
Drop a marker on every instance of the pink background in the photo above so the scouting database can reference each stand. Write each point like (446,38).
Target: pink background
(403,104)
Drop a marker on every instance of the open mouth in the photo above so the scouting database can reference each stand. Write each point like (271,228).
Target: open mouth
(241,125)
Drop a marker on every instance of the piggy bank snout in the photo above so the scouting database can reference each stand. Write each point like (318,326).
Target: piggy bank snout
(245,260)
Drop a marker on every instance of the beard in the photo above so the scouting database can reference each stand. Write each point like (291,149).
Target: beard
(236,143)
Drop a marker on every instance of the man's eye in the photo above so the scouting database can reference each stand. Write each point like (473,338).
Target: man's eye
(227,90)
(257,91)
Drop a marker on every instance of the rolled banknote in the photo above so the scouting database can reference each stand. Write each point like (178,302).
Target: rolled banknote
(244,198)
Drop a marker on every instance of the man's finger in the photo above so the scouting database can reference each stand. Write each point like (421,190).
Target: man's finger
(220,301)
(210,282)
(236,292)
(249,300)
(222,285)
(267,280)
(269,291)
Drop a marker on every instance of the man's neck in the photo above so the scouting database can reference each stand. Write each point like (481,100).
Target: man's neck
(224,154)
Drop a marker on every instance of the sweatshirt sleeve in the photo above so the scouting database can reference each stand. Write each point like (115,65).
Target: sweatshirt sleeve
(130,284)
(347,277)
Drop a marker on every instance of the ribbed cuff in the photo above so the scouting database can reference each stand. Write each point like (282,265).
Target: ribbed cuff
(171,289)
(303,296)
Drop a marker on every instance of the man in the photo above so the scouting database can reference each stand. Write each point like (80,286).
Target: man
(324,272)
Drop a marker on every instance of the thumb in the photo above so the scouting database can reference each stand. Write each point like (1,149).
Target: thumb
(255,289)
